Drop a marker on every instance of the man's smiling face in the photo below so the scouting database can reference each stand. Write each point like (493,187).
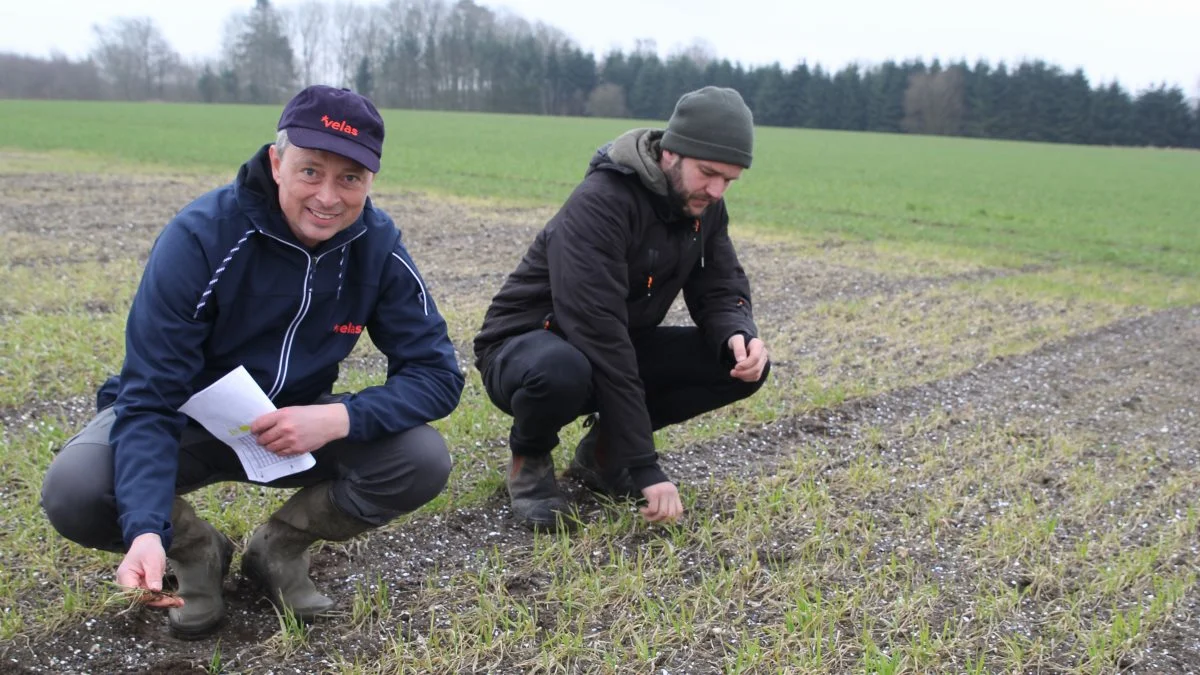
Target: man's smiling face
(320,193)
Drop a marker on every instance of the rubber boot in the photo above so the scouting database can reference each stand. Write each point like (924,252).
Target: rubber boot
(200,557)
(277,557)
(536,500)
(592,465)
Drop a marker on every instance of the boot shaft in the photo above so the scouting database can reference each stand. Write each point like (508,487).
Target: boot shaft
(311,511)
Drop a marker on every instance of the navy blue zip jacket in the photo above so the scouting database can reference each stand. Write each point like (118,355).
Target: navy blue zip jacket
(227,284)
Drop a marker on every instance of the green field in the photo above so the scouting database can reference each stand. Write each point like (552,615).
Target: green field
(1126,207)
(976,449)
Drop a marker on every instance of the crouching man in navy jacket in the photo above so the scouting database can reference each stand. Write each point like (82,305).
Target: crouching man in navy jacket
(279,272)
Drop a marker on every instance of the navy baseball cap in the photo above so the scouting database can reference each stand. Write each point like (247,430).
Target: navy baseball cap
(337,120)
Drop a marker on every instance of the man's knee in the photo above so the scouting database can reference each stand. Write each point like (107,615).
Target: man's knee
(544,372)
(405,472)
(77,496)
(431,463)
(737,390)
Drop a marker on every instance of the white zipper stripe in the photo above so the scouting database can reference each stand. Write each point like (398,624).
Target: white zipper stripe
(424,296)
(285,352)
(289,338)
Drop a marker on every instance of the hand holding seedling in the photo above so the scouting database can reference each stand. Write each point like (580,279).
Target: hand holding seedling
(141,572)
(662,503)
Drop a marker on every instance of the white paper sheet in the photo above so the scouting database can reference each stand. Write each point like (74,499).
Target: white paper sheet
(226,408)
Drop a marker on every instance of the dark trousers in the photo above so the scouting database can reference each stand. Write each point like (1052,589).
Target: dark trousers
(545,383)
(372,481)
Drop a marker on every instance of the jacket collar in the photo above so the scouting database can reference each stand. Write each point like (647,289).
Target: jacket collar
(636,153)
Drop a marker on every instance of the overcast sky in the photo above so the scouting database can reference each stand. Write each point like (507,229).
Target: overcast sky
(1140,43)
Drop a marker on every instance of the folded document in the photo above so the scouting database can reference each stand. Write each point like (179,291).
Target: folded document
(226,408)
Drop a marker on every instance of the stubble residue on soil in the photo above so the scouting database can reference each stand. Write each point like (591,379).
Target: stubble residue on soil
(1126,379)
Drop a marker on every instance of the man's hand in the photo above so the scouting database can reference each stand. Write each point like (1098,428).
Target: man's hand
(299,429)
(662,503)
(142,572)
(750,359)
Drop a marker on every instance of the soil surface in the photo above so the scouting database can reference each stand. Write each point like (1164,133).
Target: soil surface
(1135,379)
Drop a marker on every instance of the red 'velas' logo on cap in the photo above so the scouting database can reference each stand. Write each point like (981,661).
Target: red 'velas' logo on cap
(342,126)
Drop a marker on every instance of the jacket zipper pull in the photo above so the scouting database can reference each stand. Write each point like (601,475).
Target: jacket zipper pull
(652,254)
(696,229)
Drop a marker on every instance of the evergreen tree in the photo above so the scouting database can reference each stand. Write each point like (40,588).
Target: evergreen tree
(1195,142)
(230,86)
(849,98)
(1075,120)
(976,97)
(682,74)
(1163,118)
(797,106)
(647,99)
(208,85)
(618,70)
(263,57)
(363,80)
(1112,121)
(725,74)
(767,99)
(884,88)
(1001,120)
(579,78)
(818,99)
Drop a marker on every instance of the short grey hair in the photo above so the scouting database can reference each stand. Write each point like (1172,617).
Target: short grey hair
(281,142)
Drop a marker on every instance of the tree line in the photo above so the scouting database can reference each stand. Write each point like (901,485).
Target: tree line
(436,54)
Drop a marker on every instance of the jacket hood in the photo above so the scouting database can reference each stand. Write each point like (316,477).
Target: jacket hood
(255,184)
(634,152)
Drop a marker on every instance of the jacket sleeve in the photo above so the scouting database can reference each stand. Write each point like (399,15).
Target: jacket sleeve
(589,284)
(718,293)
(163,354)
(424,381)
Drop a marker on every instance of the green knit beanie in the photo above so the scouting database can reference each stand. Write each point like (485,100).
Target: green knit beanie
(712,123)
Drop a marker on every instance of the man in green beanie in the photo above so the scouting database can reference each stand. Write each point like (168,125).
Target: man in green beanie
(575,329)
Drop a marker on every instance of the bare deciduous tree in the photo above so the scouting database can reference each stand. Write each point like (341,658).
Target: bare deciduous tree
(305,25)
(354,34)
(134,58)
(54,78)
(933,103)
(645,47)
(700,52)
(607,100)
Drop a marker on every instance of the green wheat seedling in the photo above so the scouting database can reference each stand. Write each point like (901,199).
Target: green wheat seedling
(372,603)
(293,634)
(216,664)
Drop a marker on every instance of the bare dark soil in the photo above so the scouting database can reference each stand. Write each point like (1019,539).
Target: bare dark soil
(1135,379)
